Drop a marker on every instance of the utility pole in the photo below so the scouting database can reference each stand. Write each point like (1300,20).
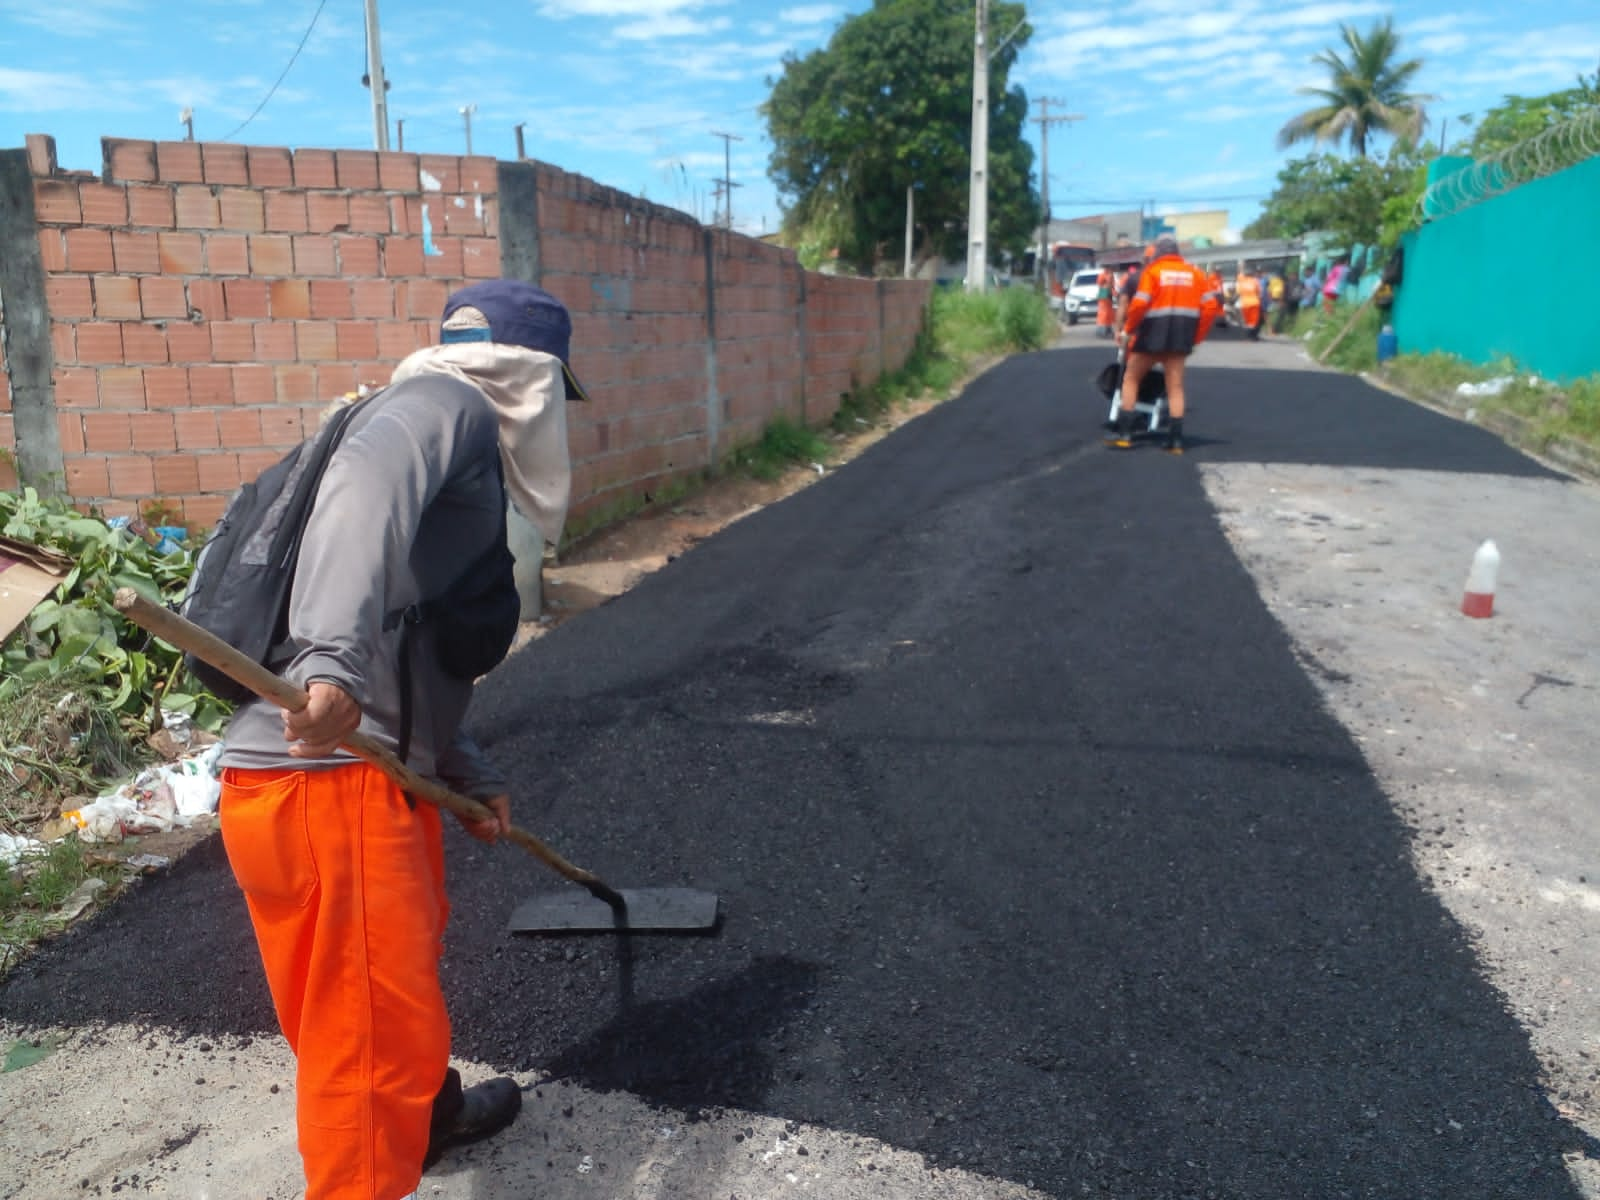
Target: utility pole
(978,193)
(727,174)
(376,80)
(911,213)
(466,111)
(1045,120)
(400,128)
(522,152)
(187,117)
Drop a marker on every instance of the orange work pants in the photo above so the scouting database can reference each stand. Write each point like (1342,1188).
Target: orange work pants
(345,886)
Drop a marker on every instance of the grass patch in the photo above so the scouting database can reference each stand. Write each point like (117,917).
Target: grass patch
(58,743)
(32,892)
(1357,350)
(783,443)
(1550,410)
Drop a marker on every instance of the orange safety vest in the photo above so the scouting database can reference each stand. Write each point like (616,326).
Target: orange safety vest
(1173,309)
(1249,291)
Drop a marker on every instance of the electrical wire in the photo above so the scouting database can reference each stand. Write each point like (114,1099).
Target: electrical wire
(303,40)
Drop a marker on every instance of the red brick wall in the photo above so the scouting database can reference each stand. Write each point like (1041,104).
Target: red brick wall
(206,301)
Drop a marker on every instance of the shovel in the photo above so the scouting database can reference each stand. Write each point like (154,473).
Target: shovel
(602,909)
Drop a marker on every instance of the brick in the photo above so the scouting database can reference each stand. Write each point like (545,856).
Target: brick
(98,342)
(179,162)
(480,174)
(75,387)
(103,203)
(107,432)
(405,214)
(402,257)
(197,207)
(425,299)
(275,341)
(359,257)
(356,339)
(314,169)
(286,212)
(202,512)
(463,217)
(41,149)
(327,212)
(116,297)
(315,340)
(246,298)
(447,262)
(69,297)
(314,255)
(196,430)
(160,298)
(336,379)
(153,431)
(373,298)
(253,386)
(253,462)
(330,299)
(69,431)
(270,166)
(224,162)
(128,161)
(144,342)
(228,254)
(242,209)
(89,250)
(122,387)
(218,472)
(271,254)
(240,428)
(87,478)
(289,298)
(232,341)
(208,298)
(396,339)
(296,384)
(135,253)
(56,201)
(369,213)
(189,342)
(356,170)
(210,386)
(131,476)
(480,258)
(441,173)
(182,253)
(398,172)
(280,426)
(175,474)
(52,250)
(166,387)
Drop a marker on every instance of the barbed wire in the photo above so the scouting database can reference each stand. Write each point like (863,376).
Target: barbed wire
(1556,149)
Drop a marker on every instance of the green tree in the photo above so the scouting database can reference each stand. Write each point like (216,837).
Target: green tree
(1518,118)
(1354,199)
(1366,94)
(887,105)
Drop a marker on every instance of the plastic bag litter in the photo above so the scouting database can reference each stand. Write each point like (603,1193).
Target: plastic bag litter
(1489,387)
(14,848)
(158,799)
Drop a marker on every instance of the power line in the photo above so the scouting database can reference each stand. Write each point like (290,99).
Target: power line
(303,40)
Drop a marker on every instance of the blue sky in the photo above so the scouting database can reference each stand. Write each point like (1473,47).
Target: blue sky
(1180,101)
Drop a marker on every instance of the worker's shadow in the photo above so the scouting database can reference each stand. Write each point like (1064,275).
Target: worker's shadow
(718,1046)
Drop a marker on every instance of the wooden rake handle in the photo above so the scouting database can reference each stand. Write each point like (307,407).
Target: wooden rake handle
(206,646)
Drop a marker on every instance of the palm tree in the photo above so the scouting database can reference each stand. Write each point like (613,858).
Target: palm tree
(1366,93)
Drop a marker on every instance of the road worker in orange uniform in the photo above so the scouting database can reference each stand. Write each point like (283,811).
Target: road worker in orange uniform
(1249,285)
(1105,308)
(1170,314)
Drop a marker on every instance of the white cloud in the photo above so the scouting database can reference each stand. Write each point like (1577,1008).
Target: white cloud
(810,14)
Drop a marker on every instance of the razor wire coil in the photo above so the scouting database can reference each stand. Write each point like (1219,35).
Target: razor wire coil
(1556,149)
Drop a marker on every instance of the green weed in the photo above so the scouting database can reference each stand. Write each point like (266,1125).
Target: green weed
(783,443)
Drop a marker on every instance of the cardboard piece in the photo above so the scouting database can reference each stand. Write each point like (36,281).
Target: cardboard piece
(28,574)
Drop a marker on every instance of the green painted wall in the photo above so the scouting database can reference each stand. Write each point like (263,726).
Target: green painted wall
(1507,278)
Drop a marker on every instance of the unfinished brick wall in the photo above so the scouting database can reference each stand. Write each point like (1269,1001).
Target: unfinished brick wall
(206,301)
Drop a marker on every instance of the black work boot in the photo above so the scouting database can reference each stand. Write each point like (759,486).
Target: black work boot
(1122,439)
(465,1115)
(1174,436)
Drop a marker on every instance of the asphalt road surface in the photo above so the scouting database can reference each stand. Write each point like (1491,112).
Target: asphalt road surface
(1040,853)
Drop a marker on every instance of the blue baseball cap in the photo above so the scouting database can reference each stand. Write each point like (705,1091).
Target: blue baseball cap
(515,314)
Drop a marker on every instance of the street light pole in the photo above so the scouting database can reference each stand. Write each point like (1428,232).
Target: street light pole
(376,80)
(978,193)
(466,113)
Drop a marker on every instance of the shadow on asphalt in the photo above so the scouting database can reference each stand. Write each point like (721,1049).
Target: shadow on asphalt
(1040,854)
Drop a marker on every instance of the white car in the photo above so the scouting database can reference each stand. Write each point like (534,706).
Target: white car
(1083,294)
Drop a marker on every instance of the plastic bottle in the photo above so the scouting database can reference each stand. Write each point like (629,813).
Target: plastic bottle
(1388,344)
(1479,598)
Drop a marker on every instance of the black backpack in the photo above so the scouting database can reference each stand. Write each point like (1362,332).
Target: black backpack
(242,580)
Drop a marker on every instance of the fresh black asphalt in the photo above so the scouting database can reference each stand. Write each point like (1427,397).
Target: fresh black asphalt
(1039,852)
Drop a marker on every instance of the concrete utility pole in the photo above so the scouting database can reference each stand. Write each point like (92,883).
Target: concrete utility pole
(911,215)
(978,194)
(187,117)
(1045,120)
(377,80)
(727,175)
(466,111)
(522,152)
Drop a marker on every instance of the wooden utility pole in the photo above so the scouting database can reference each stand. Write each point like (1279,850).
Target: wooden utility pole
(1045,120)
